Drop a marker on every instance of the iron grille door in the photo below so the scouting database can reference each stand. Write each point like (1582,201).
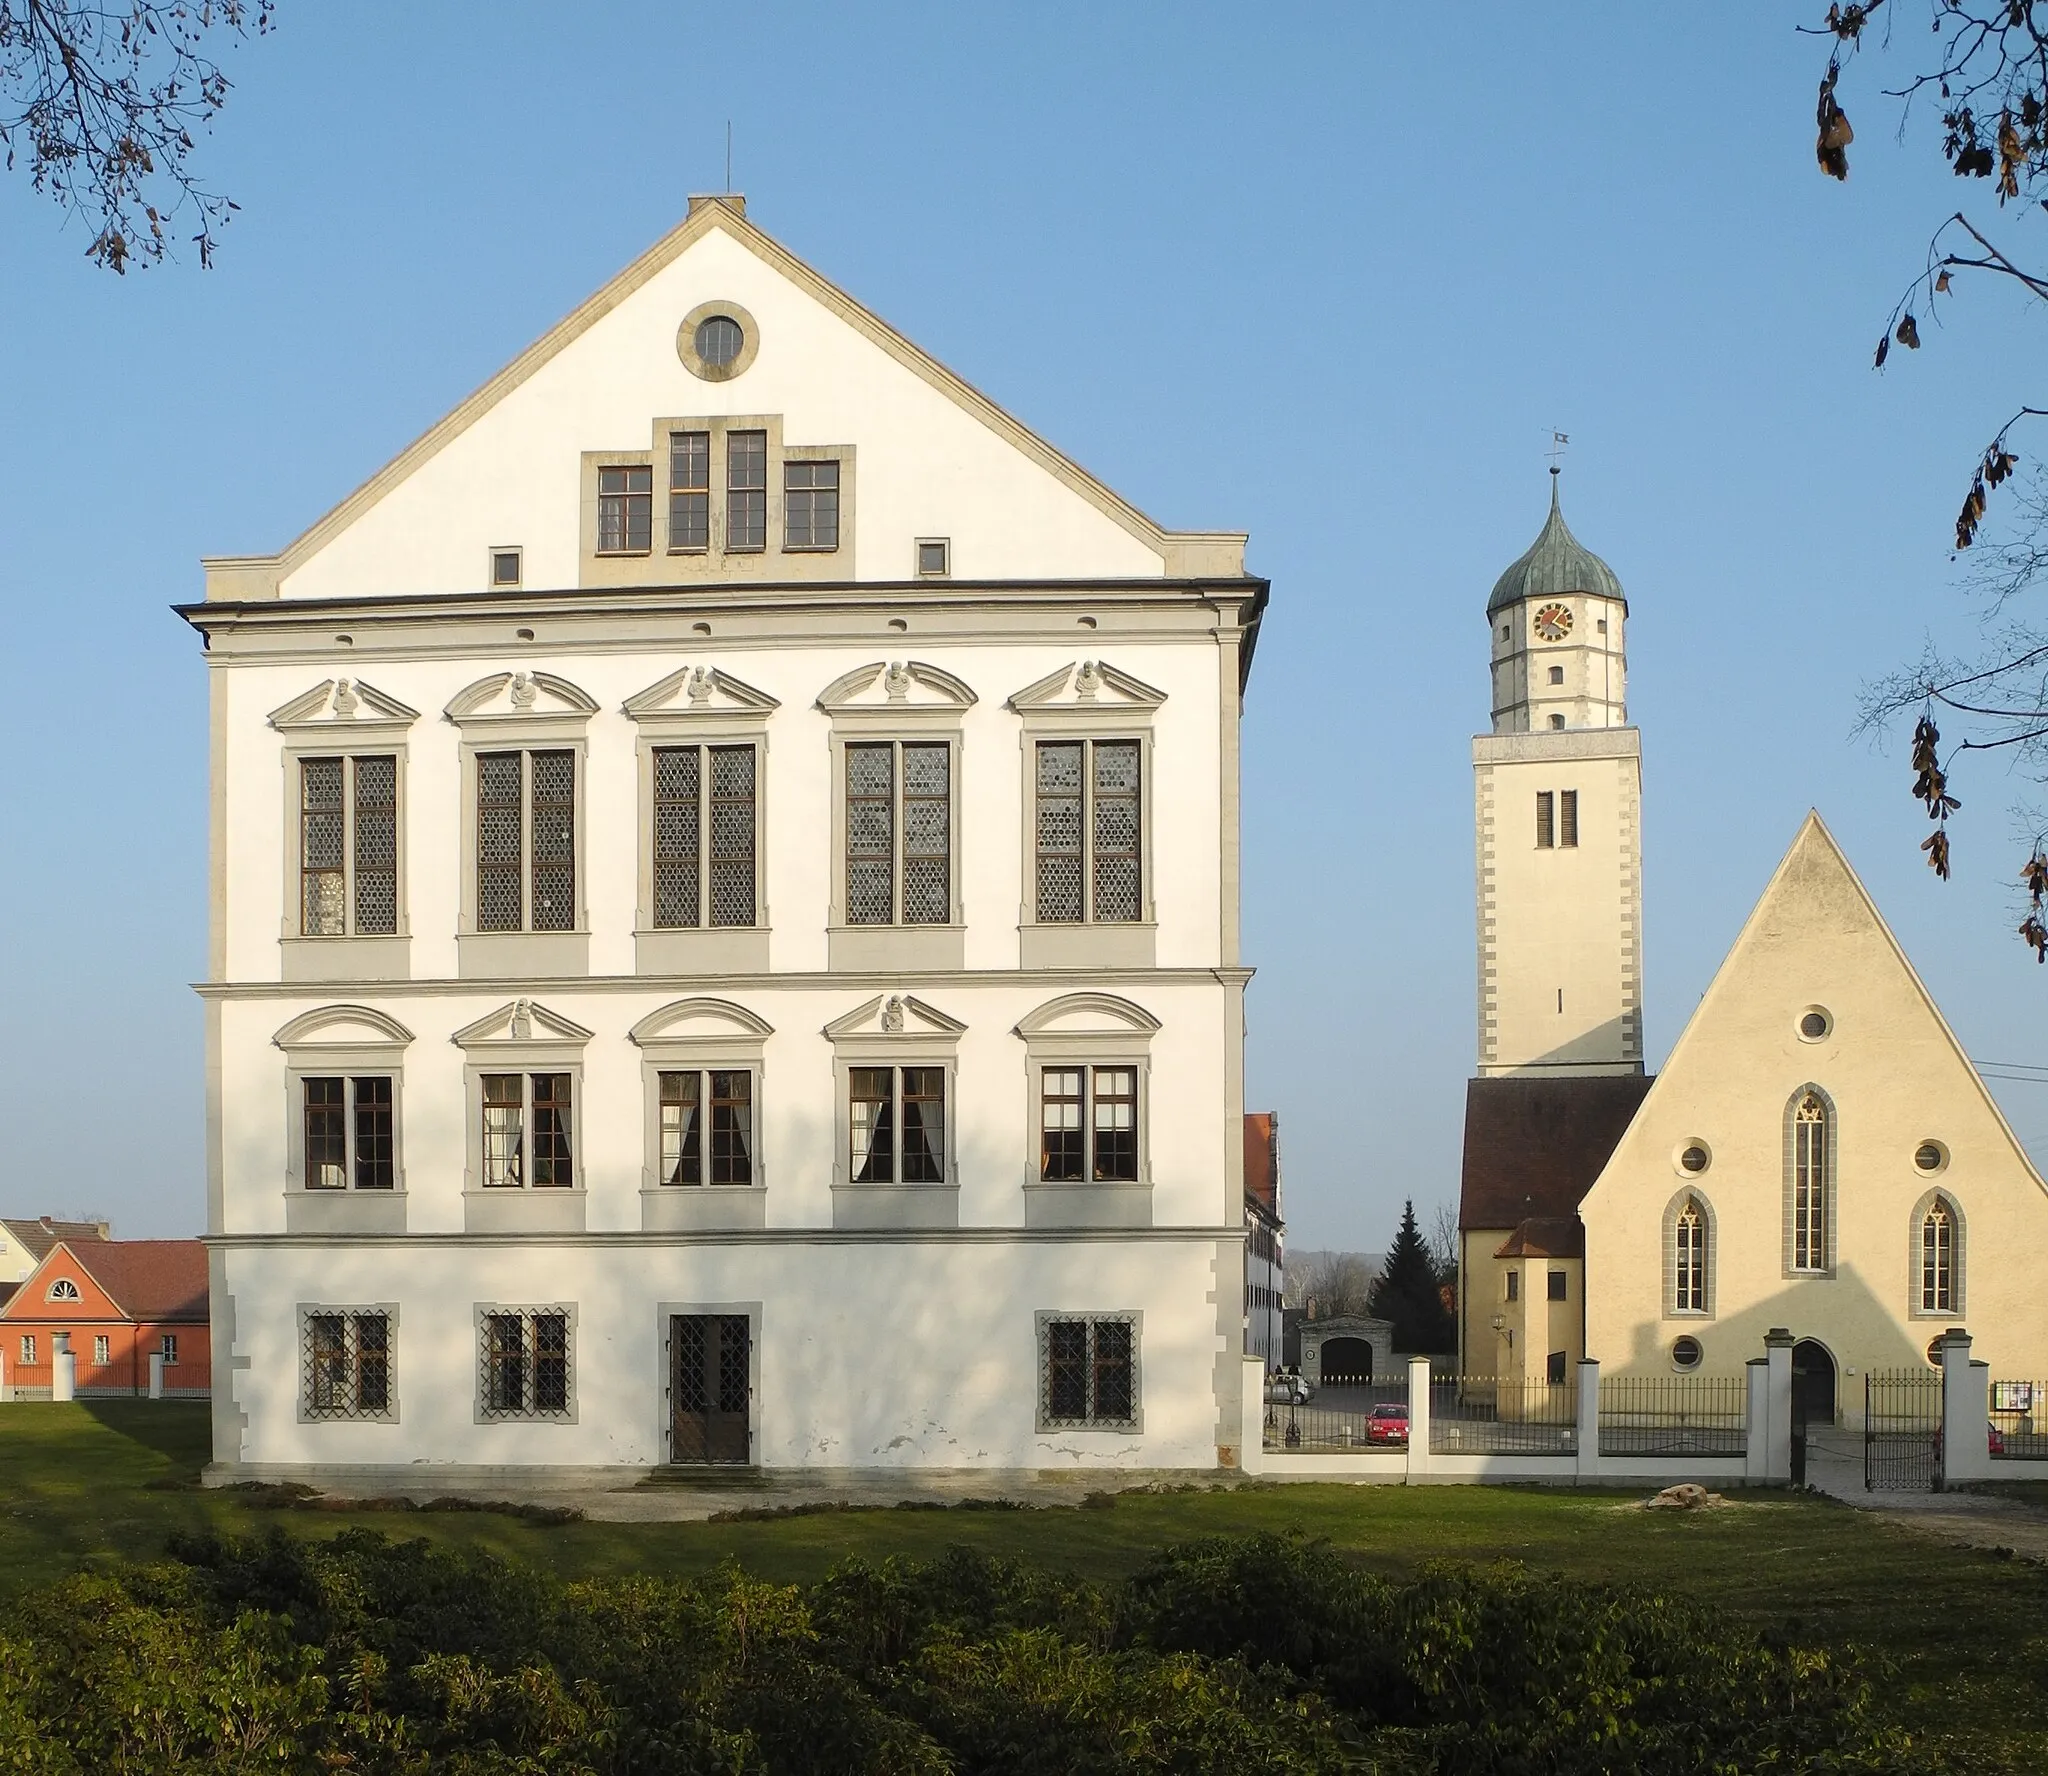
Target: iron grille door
(1902,1413)
(709,1388)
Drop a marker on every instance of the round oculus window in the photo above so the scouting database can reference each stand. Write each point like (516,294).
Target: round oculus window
(1930,1156)
(719,339)
(1934,1348)
(1815,1024)
(1693,1157)
(1686,1353)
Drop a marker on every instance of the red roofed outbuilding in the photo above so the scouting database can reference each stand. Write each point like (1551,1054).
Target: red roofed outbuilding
(117,1303)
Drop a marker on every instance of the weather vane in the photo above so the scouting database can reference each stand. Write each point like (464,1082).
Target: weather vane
(1558,444)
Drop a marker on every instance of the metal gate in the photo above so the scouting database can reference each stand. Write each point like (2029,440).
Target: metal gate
(1902,1430)
(710,1388)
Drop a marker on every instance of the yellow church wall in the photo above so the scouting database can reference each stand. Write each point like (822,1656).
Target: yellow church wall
(1896,1078)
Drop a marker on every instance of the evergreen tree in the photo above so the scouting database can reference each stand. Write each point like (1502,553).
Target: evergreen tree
(1409,1293)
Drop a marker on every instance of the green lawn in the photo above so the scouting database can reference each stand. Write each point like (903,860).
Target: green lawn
(1966,1632)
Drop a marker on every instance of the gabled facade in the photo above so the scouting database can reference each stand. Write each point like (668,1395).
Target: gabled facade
(113,1304)
(1818,1154)
(724,938)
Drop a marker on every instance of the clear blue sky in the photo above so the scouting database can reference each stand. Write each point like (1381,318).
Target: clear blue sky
(1329,274)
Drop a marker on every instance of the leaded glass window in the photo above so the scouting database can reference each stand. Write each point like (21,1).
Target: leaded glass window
(707,1126)
(526,841)
(1689,1272)
(746,491)
(349,1133)
(897,1125)
(1812,1182)
(1938,1259)
(1089,832)
(348,846)
(1088,1372)
(689,490)
(527,1124)
(699,838)
(810,505)
(1088,1125)
(345,1360)
(625,509)
(524,1363)
(899,832)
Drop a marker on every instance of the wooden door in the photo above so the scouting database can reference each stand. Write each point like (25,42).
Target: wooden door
(710,1388)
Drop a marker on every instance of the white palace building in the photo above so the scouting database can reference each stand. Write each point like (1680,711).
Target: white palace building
(724,939)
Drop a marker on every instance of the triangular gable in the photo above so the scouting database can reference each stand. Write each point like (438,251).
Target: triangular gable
(699,691)
(31,1301)
(894,1014)
(520,696)
(1092,685)
(1180,553)
(519,1021)
(895,684)
(336,703)
(1814,918)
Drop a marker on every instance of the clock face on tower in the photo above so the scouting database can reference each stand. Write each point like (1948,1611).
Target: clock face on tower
(1553,622)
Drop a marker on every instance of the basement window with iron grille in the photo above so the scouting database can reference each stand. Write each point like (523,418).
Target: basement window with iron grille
(1088,863)
(526,841)
(345,1362)
(704,836)
(1088,1372)
(899,832)
(348,846)
(523,1363)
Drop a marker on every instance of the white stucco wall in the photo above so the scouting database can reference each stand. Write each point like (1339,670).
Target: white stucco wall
(1896,1077)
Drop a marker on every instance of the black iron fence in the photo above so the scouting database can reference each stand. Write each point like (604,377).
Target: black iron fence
(2019,1419)
(1490,1415)
(1902,1430)
(1338,1416)
(1674,1415)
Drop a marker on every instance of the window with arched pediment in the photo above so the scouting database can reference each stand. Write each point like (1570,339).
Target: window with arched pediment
(1809,1183)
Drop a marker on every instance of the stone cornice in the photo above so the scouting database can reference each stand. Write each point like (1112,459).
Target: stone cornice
(674,984)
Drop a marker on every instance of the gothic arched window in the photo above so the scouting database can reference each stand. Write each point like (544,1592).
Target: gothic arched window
(1812,1181)
(1938,1258)
(1689,1258)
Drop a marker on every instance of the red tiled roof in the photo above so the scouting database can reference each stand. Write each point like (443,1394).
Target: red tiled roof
(38,1236)
(7,1292)
(1533,1146)
(1262,1160)
(148,1279)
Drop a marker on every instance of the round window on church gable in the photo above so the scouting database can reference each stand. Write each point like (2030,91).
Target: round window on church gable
(1694,1157)
(1934,1349)
(1931,1156)
(1815,1025)
(1686,1353)
(717,341)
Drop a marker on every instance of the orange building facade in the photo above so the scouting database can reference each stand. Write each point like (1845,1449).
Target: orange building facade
(113,1304)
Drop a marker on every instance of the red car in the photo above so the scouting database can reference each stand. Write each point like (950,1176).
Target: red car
(1388,1424)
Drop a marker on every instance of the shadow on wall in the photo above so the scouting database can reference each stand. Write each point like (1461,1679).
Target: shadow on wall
(1599,1045)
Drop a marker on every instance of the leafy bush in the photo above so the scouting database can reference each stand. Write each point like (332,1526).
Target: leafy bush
(1232,1655)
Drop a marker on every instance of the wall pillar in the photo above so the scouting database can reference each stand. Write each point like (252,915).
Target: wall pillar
(1756,1442)
(1251,1416)
(63,1369)
(1418,1416)
(156,1375)
(1589,1418)
(1778,1444)
(6,1392)
(1965,1411)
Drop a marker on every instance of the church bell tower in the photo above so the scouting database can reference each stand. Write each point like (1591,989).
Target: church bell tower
(1558,801)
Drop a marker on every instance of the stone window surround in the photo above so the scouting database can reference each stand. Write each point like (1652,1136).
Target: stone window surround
(1087,1204)
(551,1045)
(1958,1258)
(664,1048)
(484,955)
(348,1210)
(660,564)
(1133,1426)
(1672,1210)
(686,341)
(856,1043)
(897,947)
(376,956)
(703,948)
(390,1414)
(1833,1182)
(482,1311)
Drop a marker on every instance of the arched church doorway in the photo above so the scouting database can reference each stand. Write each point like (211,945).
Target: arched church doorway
(1346,1362)
(1813,1383)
